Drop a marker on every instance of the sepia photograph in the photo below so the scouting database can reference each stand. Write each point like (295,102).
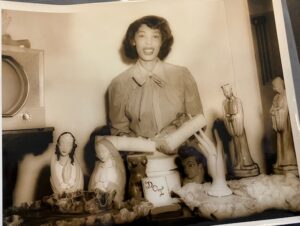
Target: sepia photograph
(155,112)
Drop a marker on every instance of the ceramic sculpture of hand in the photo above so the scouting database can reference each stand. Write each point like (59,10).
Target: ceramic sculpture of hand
(215,163)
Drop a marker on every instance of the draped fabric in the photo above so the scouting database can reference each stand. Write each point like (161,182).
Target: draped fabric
(142,103)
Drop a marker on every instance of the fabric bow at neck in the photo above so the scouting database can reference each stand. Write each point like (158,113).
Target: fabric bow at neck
(142,75)
(140,80)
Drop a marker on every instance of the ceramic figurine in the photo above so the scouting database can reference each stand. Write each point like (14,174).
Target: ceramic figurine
(243,165)
(66,174)
(215,163)
(286,159)
(137,167)
(193,169)
(109,172)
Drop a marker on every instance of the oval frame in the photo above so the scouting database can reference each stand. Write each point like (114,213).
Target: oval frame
(18,68)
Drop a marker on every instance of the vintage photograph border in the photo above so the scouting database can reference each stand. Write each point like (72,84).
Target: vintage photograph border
(288,53)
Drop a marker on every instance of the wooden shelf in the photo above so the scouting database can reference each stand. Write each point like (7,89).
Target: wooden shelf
(16,144)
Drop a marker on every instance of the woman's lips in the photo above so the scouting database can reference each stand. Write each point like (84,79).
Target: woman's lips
(148,51)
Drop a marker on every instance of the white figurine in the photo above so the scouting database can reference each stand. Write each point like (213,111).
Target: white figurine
(109,172)
(243,165)
(215,163)
(66,174)
(286,158)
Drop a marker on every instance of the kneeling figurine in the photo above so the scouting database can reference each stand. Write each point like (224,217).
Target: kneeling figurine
(109,172)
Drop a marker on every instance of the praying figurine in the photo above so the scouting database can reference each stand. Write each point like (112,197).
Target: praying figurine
(66,174)
(243,165)
(109,172)
(286,158)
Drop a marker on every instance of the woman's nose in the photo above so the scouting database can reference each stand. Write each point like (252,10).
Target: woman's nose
(148,40)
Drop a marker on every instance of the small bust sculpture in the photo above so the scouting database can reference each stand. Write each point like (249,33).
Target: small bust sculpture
(286,158)
(193,170)
(243,165)
(66,174)
(192,162)
(109,172)
(137,167)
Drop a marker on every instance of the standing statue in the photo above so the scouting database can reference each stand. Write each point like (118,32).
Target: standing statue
(243,165)
(286,158)
(66,174)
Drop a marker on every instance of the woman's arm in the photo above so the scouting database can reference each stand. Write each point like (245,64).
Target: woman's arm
(192,99)
(117,103)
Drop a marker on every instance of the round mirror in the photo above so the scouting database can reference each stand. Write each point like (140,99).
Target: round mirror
(15,86)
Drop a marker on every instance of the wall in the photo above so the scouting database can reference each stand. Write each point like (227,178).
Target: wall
(212,39)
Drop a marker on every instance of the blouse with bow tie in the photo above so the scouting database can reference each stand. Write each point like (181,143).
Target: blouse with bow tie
(142,103)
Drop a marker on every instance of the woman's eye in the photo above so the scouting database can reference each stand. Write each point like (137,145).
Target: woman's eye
(156,36)
(191,165)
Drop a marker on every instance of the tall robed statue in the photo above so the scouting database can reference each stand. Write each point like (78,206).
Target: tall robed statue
(243,165)
(286,158)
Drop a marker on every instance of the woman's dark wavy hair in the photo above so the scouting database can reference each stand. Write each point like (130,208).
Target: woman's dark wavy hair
(154,22)
(71,154)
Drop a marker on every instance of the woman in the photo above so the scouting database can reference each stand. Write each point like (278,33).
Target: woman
(147,97)
(150,98)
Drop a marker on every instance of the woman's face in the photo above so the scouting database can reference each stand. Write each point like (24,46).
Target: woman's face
(147,42)
(65,144)
(191,167)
